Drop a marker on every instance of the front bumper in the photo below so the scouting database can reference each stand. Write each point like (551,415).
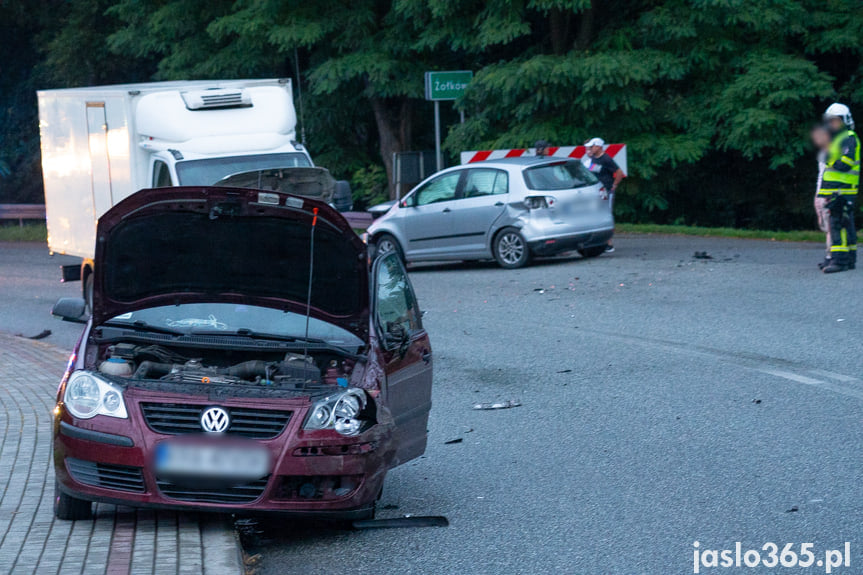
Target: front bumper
(313,473)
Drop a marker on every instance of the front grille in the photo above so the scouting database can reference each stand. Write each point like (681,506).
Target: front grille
(245,493)
(180,418)
(109,476)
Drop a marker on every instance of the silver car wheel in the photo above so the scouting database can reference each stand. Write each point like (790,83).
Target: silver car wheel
(511,248)
(385,246)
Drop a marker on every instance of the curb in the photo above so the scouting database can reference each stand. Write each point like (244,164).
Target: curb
(220,546)
(119,540)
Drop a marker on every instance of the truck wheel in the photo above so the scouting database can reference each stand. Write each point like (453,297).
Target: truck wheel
(510,249)
(70,508)
(386,244)
(592,252)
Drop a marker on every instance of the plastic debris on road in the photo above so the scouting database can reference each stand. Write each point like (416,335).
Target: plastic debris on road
(497,405)
(400,522)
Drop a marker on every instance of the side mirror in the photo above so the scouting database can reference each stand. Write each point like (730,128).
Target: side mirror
(407,202)
(343,197)
(70,309)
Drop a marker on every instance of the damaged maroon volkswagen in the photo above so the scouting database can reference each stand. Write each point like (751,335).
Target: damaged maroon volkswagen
(241,355)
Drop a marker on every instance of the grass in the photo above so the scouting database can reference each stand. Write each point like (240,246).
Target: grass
(12,232)
(794,236)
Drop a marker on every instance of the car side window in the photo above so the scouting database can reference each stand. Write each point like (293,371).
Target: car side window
(161,175)
(485,182)
(441,189)
(395,304)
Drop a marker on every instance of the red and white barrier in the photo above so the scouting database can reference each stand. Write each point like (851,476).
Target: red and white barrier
(616,151)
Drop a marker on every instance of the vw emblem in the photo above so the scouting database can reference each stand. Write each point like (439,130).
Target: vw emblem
(215,420)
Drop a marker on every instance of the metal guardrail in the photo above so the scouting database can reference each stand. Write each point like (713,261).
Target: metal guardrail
(22,212)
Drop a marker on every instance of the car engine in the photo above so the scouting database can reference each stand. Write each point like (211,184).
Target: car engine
(155,362)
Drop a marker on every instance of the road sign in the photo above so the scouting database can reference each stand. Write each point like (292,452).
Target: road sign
(447,85)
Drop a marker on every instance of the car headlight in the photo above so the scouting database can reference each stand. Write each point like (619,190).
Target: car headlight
(343,412)
(87,396)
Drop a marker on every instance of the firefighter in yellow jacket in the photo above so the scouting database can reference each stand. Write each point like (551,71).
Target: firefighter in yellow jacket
(839,184)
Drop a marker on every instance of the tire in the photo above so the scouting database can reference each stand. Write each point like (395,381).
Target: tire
(386,243)
(70,508)
(510,249)
(592,252)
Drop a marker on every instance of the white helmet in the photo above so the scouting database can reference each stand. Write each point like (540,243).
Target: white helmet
(837,110)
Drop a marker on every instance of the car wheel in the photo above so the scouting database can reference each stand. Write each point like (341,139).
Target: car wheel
(592,252)
(70,508)
(386,244)
(510,249)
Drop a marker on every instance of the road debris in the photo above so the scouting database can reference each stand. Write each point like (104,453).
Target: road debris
(792,510)
(401,522)
(756,401)
(452,441)
(41,335)
(498,405)
(565,371)
(702,256)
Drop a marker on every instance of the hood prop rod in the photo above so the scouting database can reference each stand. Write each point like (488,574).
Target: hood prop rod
(309,293)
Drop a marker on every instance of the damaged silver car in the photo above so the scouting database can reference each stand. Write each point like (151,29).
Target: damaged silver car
(508,210)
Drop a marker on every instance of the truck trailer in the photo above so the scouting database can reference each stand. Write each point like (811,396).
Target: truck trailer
(102,144)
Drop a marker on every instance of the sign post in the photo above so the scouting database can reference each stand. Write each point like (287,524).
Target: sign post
(444,86)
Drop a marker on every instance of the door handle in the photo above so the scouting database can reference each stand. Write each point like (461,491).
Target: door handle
(427,357)
(498,204)
(446,210)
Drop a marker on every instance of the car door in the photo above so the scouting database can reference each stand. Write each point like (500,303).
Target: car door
(407,356)
(483,198)
(428,222)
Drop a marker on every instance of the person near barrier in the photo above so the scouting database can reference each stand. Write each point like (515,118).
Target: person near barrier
(840,183)
(605,169)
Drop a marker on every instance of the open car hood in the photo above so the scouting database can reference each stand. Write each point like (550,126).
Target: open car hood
(316,183)
(169,246)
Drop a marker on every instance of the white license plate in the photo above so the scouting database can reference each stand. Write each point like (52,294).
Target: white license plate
(246,462)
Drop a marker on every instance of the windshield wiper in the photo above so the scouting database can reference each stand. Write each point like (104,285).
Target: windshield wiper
(245,332)
(143,326)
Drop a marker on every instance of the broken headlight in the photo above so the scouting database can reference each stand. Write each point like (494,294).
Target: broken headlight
(87,395)
(345,412)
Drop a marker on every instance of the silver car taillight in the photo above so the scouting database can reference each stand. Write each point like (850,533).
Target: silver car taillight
(537,202)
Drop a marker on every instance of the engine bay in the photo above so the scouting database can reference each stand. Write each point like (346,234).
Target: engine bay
(286,370)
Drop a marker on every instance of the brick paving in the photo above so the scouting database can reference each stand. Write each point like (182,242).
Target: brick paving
(118,540)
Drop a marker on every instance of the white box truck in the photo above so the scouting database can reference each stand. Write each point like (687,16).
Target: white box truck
(102,144)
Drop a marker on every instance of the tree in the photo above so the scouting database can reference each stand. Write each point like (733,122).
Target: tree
(713,97)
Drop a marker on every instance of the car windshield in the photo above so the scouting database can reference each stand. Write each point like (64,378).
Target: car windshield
(228,318)
(559,176)
(208,172)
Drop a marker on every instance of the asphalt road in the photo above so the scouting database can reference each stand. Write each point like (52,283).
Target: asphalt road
(29,286)
(665,400)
